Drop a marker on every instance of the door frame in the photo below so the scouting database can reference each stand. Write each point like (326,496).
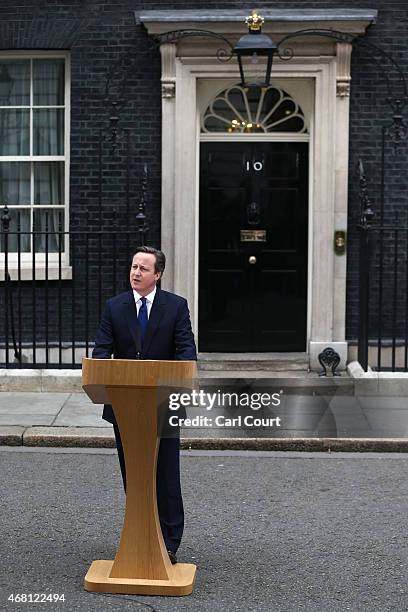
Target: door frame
(328,182)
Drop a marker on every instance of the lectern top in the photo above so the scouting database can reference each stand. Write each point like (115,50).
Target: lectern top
(97,374)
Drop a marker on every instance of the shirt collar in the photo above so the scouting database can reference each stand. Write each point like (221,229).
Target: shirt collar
(149,296)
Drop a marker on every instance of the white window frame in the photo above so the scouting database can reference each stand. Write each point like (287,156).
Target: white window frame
(26,259)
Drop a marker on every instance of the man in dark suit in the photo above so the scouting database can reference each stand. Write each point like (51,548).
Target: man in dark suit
(148,323)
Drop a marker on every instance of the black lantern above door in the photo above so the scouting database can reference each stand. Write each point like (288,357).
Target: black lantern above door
(255,45)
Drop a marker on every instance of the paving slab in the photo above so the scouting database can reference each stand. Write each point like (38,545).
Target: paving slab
(349,418)
(26,419)
(26,409)
(382,403)
(390,420)
(79,411)
(25,402)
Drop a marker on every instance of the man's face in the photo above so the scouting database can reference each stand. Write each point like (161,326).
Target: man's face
(143,278)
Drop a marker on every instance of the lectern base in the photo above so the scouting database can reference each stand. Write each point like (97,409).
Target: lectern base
(181,583)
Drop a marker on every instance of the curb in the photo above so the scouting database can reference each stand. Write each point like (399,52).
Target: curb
(102,437)
(379,445)
(64,381)
(85,437)
(11,435)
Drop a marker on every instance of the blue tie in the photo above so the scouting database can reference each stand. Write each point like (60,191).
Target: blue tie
(142,317)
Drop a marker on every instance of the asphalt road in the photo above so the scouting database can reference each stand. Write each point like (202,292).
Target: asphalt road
(268,531)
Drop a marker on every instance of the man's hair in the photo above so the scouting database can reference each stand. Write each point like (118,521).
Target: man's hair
(160,257)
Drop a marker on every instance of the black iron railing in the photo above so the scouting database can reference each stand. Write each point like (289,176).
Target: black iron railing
(51,301)
(383,322)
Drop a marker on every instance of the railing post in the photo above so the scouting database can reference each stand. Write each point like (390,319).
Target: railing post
(366,217)
(141,215)
(5,223)
(363,298)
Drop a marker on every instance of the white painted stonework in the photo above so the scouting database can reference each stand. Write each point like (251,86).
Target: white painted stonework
(318,78)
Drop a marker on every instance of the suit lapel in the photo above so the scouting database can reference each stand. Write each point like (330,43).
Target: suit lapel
(156,314)
(131,319)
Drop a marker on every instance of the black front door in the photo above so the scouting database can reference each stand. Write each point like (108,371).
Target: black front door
(253,246)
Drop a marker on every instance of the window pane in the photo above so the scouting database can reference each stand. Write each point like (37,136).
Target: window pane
(48,132)
(48,82)
(14,82)
(15,183)
(49,183)
(48,222)
(14,132)
(21,242)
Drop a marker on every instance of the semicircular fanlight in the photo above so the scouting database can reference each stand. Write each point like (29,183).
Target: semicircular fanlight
(254,110)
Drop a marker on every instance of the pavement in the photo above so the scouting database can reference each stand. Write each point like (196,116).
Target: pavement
(268,531)
(333,418)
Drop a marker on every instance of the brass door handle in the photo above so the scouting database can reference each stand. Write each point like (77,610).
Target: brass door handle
(252,259)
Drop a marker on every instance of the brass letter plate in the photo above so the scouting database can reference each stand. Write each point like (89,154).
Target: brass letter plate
(253,235)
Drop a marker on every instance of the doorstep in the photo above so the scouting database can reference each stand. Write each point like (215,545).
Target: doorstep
(266,362)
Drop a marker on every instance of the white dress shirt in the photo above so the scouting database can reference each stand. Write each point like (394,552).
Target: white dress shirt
(149,301)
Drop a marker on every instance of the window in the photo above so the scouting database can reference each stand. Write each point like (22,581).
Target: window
(254,110)
(33,150)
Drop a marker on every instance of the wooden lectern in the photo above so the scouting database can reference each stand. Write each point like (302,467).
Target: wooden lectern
(142,565)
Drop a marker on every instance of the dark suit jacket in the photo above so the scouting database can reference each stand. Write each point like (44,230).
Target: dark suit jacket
(168,336)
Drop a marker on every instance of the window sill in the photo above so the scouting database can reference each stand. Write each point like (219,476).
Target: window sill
(26,273)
